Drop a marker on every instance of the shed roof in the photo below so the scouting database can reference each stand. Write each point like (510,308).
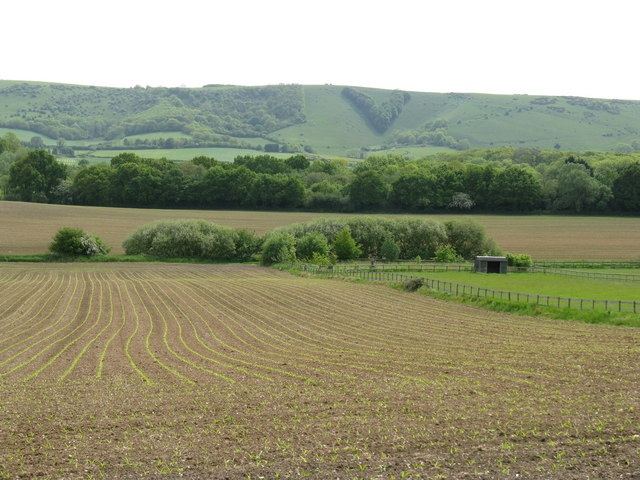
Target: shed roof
(491,258)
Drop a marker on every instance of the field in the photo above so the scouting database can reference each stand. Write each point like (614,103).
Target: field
(545,284)
(119,371)
(182,154)
(28,228)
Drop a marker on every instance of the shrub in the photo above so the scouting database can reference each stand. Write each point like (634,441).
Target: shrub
(247,245)
(413,284)
(519,260)
(191,238)
(279,248)
(446,254)
(74,242)
(389,250)
(318,259)
(311,244)
(345,247)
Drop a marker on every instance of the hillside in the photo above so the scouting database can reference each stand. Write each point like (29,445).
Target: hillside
(328,120)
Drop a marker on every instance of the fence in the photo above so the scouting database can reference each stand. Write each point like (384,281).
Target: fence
(416,267)
(459,289)
(627,277)
(588,263)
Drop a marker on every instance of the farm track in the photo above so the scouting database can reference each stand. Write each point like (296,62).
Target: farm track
(235,370)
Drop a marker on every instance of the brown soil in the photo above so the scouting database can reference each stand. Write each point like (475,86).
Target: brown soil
(27,228)
(197,371)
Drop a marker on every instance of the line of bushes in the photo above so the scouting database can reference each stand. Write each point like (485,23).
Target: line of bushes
(321,241)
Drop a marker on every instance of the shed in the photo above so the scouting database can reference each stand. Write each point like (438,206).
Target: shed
(485,264)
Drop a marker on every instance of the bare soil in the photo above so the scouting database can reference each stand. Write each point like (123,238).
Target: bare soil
(199,371)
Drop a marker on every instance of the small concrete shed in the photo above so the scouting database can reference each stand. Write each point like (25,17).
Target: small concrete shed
(485,264)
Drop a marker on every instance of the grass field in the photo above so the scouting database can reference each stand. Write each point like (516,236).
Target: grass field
(544,284)
(28,228)
(117,370)
(184,154)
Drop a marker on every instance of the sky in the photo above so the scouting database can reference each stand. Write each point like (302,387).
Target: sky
(542,47)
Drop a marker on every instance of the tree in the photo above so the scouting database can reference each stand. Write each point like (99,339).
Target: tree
(626,188)
(298,162)
(368,190)
(389,250)
(577,190)
(312,243)
(35,177)
(468,238)
(279,248)
(412,191)
(345,247)
(516,189)
(92,185)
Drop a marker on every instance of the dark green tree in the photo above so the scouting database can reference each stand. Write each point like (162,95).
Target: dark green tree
(412,191)
(368,191)
(626,188)
(92,185)
(516,189)
(35,177)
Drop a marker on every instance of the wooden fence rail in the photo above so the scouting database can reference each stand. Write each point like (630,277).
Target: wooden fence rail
(459,289)
(627,277)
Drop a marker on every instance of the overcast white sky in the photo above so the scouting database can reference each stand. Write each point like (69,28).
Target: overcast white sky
(560,47)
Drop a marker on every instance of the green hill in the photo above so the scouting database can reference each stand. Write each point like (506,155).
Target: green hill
(328,120)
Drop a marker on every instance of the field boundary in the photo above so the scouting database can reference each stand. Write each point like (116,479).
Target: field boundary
(469,290)
(626,277)
(587,263)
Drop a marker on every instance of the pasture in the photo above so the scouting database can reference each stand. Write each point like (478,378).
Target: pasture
(113,370)
(28,228)
(545,284)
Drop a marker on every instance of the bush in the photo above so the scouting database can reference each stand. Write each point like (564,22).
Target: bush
(446,254)
(389,250)
(413,284)
(519,260)
(345,247)
(191,238)
(75,242)
(279,248)
(312,244)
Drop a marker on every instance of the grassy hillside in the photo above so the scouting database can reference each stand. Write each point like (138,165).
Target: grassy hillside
(320,118)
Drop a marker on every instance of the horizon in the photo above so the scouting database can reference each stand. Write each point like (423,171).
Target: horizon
(317,84)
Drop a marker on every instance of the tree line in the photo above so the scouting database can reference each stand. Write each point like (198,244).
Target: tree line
(568,183)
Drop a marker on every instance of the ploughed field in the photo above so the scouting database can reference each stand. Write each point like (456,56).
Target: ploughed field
(124,370)
(27,228)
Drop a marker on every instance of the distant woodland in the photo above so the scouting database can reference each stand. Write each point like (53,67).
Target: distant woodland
(493,180)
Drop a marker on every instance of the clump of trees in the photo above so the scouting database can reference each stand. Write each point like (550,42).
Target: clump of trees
(76,242)
(498,180)
(379,238)
(379,115)
(192,239)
